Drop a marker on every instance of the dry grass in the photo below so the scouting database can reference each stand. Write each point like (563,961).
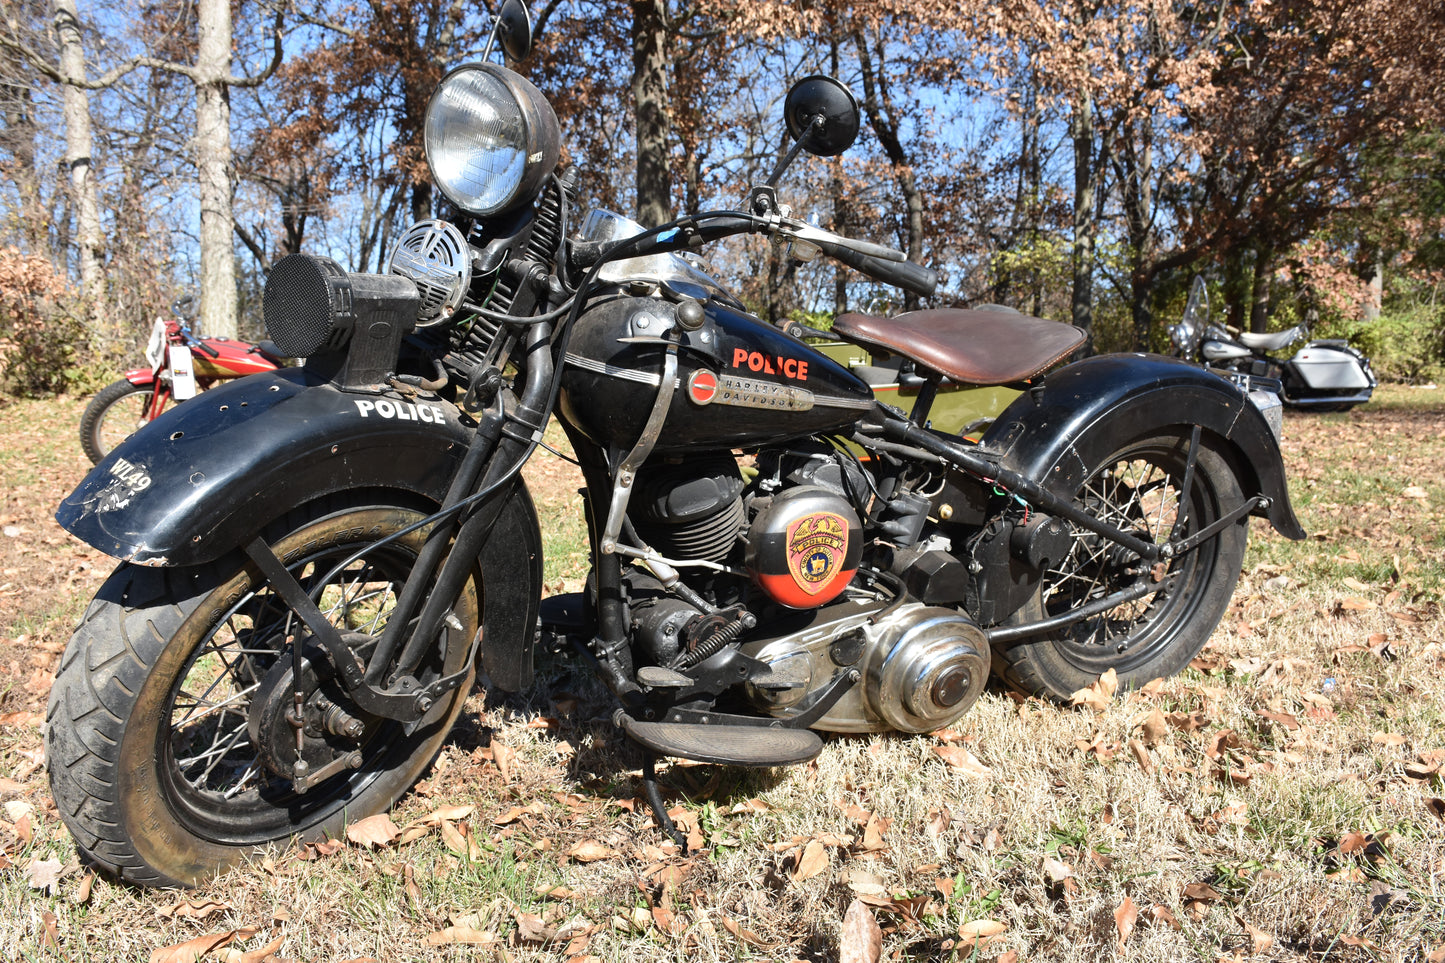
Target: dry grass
(1288,811)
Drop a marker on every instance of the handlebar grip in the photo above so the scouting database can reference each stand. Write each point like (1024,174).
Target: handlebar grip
(204,348)
(903,274)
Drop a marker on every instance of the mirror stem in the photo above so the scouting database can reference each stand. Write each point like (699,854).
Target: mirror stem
(816,123)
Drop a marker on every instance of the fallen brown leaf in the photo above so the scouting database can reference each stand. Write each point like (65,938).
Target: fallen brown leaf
(1098,696)
(590,851)
(814,860)
(531,928)
(462,935)
(1202,892)
(861,940)
(373,831)
(446,814)
(1141,756)
(1261,940)
(1160,914)
(193,949)
(44,874)
(82,891)
(1281,718)
(1124,919)
(963,760)
(1153,727)
(1187,721)
(981,932)
(502,756)
(197,909)
(742,932)
(232,955)
(452,838)
(873,834)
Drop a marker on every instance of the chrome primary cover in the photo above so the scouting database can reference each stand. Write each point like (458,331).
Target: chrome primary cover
(435,255)
(920,667)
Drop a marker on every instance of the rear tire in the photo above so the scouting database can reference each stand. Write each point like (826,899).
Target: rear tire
(152,729)
(1137,488)
(115,413)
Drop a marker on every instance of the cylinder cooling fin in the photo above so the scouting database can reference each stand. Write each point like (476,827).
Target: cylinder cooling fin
(692,510)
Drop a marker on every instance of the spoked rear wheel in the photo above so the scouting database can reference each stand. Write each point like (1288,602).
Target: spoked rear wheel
(167,730)
(1139,488)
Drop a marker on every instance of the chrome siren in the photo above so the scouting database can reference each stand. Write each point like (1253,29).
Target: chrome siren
(435,255)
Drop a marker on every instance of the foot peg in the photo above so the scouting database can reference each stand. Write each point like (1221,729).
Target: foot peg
(657,677)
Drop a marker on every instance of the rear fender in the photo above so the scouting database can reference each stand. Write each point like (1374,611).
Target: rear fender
(203,478)
(1053,434)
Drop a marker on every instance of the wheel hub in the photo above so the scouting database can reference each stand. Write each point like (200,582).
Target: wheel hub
(323,738)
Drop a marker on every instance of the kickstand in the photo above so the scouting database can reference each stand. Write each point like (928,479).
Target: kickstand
(654,799)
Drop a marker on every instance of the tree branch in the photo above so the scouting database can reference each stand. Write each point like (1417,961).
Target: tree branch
(271,67)
(54,73)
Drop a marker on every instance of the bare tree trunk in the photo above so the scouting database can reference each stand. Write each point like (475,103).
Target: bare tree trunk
(18,138)
(878,107)
(1374,301)
(1086,222)
(1136,170)
(78,156)
(213,165)
(653,110)
(1259,293)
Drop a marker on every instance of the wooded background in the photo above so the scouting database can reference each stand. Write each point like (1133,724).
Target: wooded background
(1079,160)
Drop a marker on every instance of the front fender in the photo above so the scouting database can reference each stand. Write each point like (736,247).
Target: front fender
(206,476)
(1053,434)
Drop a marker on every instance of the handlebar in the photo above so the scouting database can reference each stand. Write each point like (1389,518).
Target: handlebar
(875,260)
(194,342)
(901,274)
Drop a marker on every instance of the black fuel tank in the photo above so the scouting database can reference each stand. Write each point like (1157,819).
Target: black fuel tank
(741,382)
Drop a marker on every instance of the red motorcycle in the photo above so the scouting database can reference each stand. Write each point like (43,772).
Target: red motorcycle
(180,365)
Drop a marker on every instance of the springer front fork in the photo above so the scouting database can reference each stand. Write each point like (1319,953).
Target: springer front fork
(387,685)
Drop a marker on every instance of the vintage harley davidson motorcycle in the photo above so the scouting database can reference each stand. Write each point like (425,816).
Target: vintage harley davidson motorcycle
(317,562)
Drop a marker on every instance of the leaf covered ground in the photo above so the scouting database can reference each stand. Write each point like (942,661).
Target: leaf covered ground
(1281,800)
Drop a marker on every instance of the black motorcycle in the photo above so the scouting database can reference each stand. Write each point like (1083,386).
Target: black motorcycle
(317,562)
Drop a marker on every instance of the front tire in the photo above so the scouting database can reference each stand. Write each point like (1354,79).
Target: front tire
(1139,488)
(158,722)
(115,413)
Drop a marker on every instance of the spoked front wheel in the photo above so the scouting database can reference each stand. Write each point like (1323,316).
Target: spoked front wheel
(1139,488)
(168,735)
(115,413)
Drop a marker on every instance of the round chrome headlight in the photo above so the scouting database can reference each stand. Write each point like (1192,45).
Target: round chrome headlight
(491,138)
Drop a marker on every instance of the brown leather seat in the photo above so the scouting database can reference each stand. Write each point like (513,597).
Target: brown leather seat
(976,347)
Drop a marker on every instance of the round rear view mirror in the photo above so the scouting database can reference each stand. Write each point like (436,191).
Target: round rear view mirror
(822,115)
(514,29)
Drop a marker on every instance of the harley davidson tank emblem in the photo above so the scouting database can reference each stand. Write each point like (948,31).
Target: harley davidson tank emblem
(707,388)
(817,544)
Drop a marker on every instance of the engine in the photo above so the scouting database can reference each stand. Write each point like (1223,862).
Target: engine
(768,558)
